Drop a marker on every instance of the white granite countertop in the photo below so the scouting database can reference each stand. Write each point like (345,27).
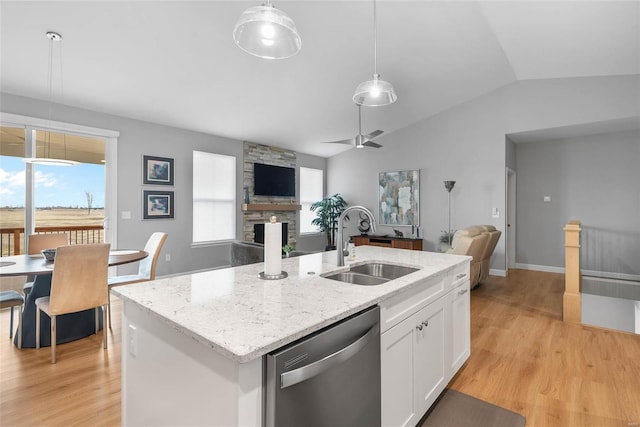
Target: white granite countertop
(243,317)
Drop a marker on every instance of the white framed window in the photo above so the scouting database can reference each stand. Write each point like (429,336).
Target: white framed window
(311,190)
(214,197)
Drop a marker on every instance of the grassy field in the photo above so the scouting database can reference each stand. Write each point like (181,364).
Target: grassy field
(14,218)
(10,218)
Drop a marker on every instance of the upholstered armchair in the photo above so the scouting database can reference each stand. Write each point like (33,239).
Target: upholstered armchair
(246,253)
(471,241)
(250,253)
(494,236)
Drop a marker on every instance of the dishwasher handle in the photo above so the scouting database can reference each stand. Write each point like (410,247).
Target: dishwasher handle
(311,370)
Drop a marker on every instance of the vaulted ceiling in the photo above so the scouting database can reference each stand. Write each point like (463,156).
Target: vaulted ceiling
(175,63)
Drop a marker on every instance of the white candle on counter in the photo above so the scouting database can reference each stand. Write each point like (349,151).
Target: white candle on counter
(273,247)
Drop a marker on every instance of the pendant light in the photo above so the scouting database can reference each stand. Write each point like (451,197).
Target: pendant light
(267,32)
(53,37)
(376,92)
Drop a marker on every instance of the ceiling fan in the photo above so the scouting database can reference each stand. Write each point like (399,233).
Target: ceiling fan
(360,140)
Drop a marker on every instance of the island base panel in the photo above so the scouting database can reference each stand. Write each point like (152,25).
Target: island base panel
(169,379)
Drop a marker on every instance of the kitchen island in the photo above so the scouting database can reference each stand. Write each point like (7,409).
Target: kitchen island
(193,345)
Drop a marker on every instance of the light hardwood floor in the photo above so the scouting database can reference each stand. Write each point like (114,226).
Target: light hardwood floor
(524,358)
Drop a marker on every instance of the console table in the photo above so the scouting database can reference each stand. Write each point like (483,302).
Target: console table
(389,242)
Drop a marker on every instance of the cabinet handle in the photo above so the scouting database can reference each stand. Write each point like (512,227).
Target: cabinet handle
(462,292)
(419,327)
(461,275)
(425,323)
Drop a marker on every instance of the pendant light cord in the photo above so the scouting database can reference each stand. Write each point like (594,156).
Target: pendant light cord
(375,41)
(64,135)
(50,81)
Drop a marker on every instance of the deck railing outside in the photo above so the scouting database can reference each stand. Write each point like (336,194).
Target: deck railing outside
(12,238)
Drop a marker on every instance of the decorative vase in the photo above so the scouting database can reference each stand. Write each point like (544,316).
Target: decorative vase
(246,195)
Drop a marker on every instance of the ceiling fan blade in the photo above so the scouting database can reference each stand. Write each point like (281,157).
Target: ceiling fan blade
(349,141)
(374,134)
(371,144)
(360,140)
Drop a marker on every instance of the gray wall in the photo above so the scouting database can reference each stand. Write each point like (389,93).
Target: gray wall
(138,138)
(467,144)
(595,179)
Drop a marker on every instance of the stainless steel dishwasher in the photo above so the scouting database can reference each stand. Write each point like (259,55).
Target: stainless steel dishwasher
(329,379)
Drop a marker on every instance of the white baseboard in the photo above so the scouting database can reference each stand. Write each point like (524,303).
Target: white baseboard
(607,275)
(547,268)
(496,272)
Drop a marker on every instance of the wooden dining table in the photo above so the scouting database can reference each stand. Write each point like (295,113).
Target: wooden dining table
(70,327)
(24,265)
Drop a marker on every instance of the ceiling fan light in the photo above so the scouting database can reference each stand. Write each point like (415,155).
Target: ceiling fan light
(49,161)
(267,32)
(375,93)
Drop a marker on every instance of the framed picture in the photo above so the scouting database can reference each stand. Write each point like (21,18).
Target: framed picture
(157,170)
(399,197)
(158,204)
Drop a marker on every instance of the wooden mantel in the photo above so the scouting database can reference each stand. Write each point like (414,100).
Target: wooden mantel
(270,207)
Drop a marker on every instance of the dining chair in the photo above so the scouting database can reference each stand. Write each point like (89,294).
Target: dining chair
(146,268)
(39,242)
(78,283)
(13,299)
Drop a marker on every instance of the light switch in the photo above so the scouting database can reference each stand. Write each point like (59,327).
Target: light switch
(495,213)
(546,199)
(126,214)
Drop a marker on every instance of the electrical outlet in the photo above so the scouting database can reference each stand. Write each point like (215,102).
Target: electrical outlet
(133,340)
(167,257)
(126,214)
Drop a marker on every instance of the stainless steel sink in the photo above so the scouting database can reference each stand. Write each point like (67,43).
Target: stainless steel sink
(386,271)
(356,278)
(372,273)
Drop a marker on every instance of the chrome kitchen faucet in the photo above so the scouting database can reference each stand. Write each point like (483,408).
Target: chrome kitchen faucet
(344,213)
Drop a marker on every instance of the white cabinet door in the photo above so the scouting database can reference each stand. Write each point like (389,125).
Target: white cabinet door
(459,334)
(430,370)
(396,359)
(413,365)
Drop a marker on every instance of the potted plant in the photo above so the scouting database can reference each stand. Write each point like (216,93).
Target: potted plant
(445,240)
(287,250)
(328,211)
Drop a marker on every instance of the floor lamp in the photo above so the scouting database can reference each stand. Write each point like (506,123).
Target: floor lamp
(449,186)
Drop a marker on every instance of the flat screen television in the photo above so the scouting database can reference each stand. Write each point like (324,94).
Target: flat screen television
(270,180)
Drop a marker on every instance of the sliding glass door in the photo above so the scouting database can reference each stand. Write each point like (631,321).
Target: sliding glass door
(75,200)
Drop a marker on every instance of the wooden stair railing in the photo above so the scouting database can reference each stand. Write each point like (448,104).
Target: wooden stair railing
(572,299)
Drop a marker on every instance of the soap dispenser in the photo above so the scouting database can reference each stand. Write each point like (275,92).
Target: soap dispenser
(351,248)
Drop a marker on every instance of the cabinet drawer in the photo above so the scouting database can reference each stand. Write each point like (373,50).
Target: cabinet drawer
(400,307)
(458,275)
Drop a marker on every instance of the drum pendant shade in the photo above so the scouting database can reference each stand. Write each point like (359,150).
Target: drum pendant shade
(375,92)
(267,32)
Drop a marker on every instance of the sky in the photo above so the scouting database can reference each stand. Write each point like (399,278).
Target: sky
(55,185)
